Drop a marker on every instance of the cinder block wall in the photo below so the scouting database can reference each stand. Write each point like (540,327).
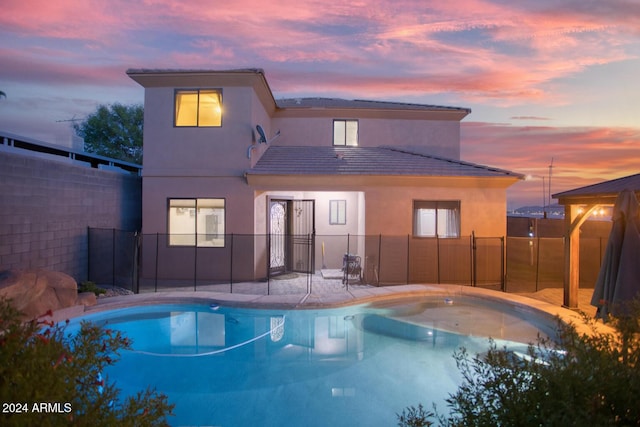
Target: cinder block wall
(46,207)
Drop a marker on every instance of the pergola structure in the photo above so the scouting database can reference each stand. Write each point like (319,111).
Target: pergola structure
(579,204)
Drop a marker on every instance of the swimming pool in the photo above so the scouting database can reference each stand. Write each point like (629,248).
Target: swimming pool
(359,365)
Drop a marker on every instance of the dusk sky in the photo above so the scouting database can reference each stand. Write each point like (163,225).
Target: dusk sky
(544,78)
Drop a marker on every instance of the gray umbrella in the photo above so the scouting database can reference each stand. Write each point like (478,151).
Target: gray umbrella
(619,278)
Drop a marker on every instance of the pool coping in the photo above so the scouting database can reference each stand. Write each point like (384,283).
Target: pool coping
(332,300)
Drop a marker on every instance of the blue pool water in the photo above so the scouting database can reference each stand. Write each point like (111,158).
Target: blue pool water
(358,365)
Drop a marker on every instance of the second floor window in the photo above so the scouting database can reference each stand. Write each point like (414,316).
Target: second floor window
(198,108)
(345,133)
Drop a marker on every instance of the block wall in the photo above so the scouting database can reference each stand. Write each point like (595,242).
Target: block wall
(46,207)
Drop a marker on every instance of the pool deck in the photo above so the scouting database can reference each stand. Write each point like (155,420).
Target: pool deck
(292,295)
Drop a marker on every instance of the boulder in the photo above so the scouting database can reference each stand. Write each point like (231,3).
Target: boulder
(87,299)
(35,292)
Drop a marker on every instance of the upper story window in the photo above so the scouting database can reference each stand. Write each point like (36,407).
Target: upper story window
(198,107)
(345,132)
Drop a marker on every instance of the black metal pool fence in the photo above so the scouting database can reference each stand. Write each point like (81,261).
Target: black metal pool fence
(251,263)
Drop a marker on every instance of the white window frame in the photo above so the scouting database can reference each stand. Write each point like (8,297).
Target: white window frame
(345,132)
(337,212)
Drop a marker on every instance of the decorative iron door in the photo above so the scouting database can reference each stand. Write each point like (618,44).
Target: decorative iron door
(303,236)
(291,236)
(278,231)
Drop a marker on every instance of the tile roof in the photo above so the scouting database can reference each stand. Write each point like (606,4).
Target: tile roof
(361,104)
(192,70)
(310,160)
(606,188)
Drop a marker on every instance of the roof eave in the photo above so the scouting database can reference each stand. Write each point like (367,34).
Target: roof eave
(329,181)
(249,77)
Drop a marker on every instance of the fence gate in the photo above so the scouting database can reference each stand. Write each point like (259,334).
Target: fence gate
(488,262)
(303,234)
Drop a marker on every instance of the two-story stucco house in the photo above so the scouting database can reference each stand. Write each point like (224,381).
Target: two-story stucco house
(288,177)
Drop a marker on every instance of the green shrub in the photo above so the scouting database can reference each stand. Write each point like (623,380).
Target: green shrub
(576,379)
(53,379)
(415,417)
(88,286)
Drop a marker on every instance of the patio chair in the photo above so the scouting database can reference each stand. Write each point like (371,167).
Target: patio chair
(351,267)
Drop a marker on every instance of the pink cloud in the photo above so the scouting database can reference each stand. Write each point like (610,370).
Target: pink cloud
(530,118)
(581,156)
(487,51)
(19,66)
(479,51)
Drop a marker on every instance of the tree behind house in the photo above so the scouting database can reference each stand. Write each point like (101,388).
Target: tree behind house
(114,131)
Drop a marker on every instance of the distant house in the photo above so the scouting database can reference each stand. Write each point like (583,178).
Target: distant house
(223,157)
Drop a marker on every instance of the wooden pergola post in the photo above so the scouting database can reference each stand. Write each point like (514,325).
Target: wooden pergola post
(573,219)
(571,258)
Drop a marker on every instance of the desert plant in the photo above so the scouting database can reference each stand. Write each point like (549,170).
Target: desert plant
(88,286)
(415,417)
(577,378)
(49,378)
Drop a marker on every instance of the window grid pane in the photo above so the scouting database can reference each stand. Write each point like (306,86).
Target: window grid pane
(339,132)
(351,133)
(186,108)
(209,109)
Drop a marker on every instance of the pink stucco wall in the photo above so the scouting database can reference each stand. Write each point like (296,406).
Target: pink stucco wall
(438,137)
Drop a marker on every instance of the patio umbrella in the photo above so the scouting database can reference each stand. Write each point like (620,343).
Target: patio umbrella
(619,278)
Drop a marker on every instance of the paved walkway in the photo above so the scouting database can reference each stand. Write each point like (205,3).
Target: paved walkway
(555,296)
(328,286)
(304,291)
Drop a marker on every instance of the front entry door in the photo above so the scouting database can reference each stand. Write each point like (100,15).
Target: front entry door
(291,235)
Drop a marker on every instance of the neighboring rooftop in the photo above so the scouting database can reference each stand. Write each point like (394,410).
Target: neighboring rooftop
(22,145)
(310,160)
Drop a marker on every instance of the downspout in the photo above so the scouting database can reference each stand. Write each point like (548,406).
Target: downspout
(249,149)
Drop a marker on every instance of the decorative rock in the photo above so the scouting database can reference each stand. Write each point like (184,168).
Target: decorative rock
(115,291)
(86,299)
(34,292)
